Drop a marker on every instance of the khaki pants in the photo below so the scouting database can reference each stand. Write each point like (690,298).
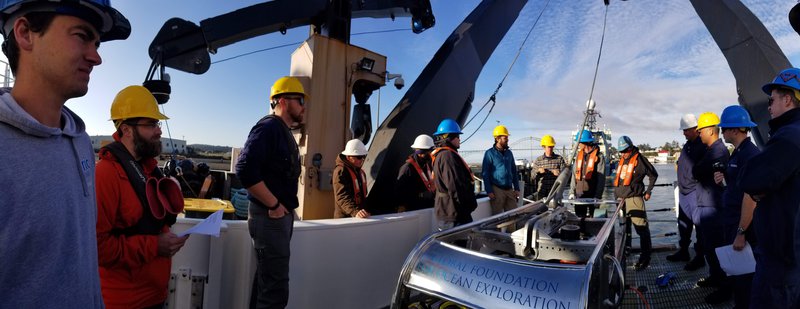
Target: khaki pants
(504,200)
(635,210)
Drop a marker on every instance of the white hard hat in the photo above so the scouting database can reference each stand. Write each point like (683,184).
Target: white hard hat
(354,147)
(423,142)
(688,121)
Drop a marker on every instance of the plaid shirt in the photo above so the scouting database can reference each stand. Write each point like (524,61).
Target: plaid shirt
(544,182)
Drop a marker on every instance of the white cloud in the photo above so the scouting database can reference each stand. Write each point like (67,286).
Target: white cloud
(659,62)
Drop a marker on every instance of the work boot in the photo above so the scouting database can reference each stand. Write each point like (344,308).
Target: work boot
(681,255)
(644,261)
(709,282)
(719,296)
(696,263)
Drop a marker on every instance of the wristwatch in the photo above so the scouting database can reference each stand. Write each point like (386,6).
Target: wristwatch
(274,207)
(740,231)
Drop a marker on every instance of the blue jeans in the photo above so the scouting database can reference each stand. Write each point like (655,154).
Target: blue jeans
(271,241)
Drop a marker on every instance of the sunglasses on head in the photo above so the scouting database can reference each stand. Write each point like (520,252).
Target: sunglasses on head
(300,100)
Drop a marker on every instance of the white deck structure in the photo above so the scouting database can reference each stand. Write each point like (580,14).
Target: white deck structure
(335,263)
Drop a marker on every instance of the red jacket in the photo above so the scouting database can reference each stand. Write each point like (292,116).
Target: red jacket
(132,275)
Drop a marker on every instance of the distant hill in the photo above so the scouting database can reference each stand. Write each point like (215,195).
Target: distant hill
(210,148)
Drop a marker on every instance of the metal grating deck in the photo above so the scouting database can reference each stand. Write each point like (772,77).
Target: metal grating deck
(682,293)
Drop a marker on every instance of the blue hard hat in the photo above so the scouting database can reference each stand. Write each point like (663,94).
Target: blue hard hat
(735,116)
(624,143)
(110,23)
(186,165)
(786,79)
(586,137)
(448,126)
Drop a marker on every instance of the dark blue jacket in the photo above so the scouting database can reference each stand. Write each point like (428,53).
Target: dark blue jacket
(732,196)
(772,177)
(499,169)
(270,154)
(691,153)
(709,193)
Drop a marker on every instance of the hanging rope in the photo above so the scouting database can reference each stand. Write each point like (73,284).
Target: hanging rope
(575,143)
(574,150)
(493,97)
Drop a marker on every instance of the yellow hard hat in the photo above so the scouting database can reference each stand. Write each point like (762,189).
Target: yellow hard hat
(707,119)
(548,140)
(134,102)
(286,84)
(500,130)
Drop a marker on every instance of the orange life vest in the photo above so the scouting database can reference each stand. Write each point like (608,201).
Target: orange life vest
(580,174)
(625,170)
(437,150)
(359,192)
(425,176)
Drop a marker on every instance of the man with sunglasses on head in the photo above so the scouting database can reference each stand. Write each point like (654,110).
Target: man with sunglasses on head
(350,182)
(136,205)
(48,248)
(706,215)
(772,179)
(269,168)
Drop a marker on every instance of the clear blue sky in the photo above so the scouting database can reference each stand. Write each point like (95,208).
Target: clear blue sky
(659,62)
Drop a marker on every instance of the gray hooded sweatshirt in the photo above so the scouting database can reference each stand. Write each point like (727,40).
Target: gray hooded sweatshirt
(48,214)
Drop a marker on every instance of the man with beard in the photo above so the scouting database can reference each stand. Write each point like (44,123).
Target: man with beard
(47,244)
(455,191)
(546,168)
(415,187)
(135,206)
(499,173)
(269,167)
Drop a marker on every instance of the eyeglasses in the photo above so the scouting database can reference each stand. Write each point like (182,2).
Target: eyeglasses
(299,100)
(151,125)
(362,158)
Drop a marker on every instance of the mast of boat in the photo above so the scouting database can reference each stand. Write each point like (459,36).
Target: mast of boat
(589,120)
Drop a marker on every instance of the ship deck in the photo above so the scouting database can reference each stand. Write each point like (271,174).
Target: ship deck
(681,293)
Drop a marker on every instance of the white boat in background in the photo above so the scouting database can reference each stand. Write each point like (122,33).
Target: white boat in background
(662,157)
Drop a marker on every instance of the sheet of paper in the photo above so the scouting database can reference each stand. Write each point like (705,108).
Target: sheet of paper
(736,262)
(209,226)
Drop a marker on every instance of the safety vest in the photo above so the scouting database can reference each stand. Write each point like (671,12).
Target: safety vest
(433,159)
(423,175)
(359,192)
(625,170)
(580,174)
